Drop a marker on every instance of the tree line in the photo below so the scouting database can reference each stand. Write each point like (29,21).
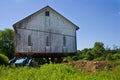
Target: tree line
(98,52)
(6,42)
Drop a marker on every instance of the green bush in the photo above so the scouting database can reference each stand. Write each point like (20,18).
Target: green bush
(75,58)
(69,58)
(99,59)
(3,59)
(116,56)
(108,57)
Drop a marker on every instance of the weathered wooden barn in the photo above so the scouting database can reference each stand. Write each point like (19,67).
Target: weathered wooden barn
(45,33)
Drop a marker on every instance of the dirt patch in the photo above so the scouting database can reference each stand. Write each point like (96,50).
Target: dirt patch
(91,66)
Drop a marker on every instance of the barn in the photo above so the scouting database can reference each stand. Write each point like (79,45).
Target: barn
(45,33)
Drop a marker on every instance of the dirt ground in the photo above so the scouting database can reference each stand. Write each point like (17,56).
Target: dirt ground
(91,66)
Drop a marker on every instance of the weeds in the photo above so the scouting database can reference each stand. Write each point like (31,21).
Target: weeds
(55,72)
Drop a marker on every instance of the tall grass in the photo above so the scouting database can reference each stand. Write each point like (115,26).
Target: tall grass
(55,72)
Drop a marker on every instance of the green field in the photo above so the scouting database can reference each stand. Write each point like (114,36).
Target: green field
(55,72)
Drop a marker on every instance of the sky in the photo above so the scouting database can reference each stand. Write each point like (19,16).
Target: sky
(98,20)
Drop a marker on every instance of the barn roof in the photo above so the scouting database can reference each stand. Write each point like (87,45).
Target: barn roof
(47,7)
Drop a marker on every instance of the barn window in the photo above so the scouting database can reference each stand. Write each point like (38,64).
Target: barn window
(29,40)
(47,41)
(47,13)
(64,41)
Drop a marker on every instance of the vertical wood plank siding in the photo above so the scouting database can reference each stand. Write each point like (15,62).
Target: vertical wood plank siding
(40,27)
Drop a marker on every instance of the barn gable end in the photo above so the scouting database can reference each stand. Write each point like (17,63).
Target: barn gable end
(42,12)
(45,31)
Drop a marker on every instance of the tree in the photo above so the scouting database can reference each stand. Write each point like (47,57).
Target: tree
(6,42)
(89,56)
(79,54)
(98,49)
(86,54)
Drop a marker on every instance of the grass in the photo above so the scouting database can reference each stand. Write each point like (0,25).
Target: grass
(55,72)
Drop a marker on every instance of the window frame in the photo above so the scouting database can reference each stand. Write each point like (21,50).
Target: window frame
(64,40)
(29,40)
(47,13)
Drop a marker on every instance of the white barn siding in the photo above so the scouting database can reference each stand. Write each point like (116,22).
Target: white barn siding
(39,26)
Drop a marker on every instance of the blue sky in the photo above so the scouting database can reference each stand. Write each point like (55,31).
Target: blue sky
(99,20)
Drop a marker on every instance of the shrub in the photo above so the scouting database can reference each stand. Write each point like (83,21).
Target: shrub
(109,57)
(75,58)
(99,59)
(3,59)
(69,58)
(116,56)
